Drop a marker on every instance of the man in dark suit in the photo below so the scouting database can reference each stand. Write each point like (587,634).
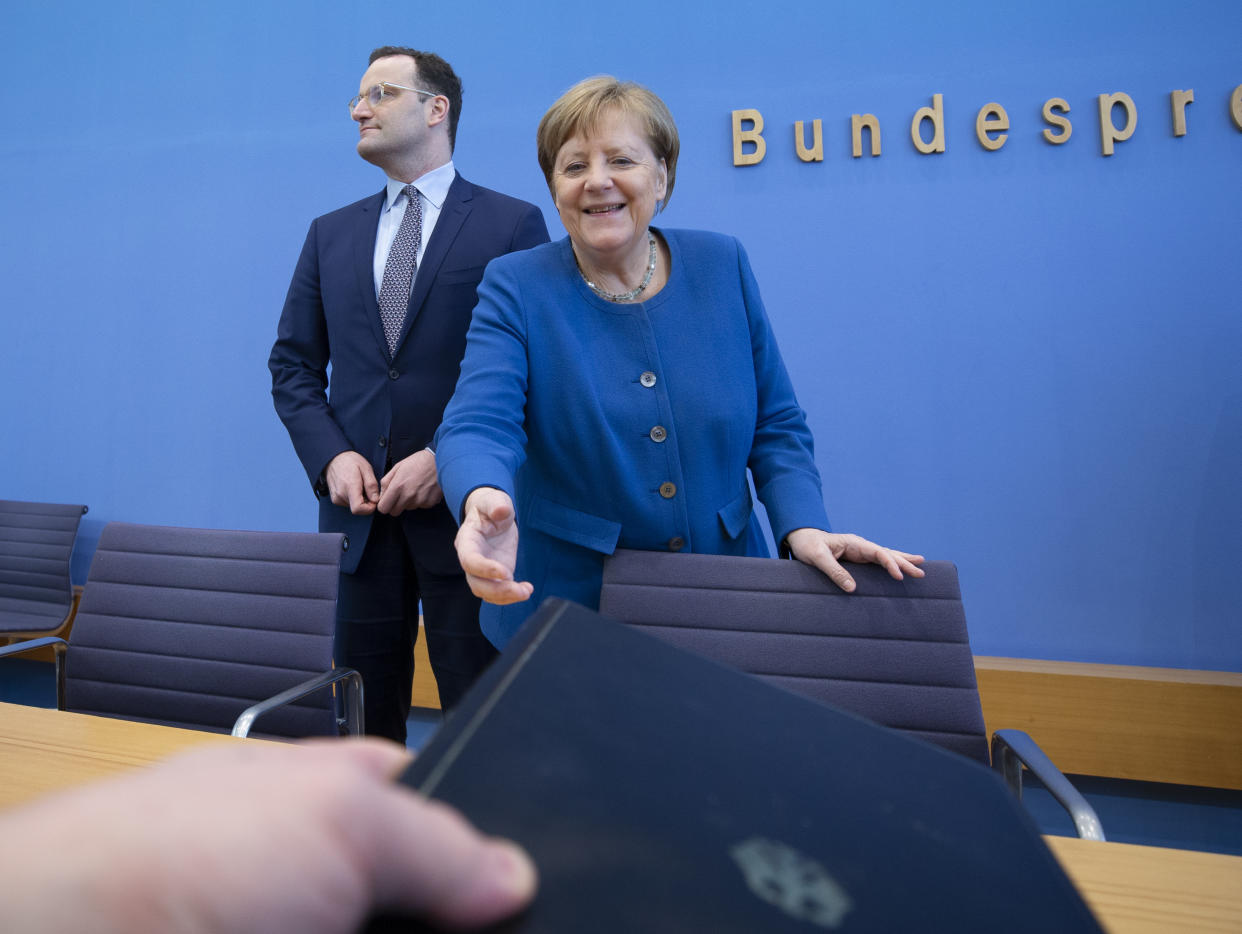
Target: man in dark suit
(383,292)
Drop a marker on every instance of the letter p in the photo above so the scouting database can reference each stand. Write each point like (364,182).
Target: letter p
(1109,133)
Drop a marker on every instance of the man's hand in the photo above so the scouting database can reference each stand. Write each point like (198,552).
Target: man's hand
(487,547)
(821,550)
(411,484)
(254,838)
(351,482)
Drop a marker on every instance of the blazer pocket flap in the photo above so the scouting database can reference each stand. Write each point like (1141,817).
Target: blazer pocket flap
(572,525)
(736,515)
(471,274)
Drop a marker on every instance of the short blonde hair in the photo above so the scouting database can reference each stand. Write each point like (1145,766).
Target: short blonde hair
(578,111)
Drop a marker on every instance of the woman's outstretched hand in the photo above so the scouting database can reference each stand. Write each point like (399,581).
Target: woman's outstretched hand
(487,547)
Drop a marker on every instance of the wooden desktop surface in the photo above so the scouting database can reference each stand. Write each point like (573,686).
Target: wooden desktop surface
(1132,889)
(1154,890)
(42,750)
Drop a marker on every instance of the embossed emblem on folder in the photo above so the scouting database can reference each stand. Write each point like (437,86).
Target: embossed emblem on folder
(794,883)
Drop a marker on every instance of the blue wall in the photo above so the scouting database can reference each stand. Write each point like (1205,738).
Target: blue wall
(1026,361)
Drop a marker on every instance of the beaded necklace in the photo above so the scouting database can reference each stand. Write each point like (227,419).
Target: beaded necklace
(634,292)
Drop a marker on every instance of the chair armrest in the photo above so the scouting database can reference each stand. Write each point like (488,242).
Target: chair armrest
(58,653)
(1012,749)
(352,700)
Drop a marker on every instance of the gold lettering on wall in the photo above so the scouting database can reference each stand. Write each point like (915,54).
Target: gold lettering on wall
(934,113)
(816,152)
(1055,109)
(1179,100)
(992,119)
(1109,132)
(754,135)
(860,122)
(993,126)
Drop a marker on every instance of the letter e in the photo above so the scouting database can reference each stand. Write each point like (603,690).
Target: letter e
(991,119)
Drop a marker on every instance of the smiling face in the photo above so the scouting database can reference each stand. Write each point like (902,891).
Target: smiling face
(606,183)
(396,132)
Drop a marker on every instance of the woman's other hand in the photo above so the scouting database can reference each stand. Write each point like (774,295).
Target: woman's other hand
(825,550)
(487,547)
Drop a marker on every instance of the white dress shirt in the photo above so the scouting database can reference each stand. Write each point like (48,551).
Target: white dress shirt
(432,189)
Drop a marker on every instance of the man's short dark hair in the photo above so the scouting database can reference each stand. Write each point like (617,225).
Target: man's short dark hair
(435,74)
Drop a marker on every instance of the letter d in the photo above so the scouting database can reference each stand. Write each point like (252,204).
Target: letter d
(934,113)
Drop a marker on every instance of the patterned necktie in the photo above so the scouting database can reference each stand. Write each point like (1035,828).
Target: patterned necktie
(394,297)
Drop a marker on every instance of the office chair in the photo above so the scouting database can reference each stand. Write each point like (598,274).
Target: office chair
(36,543)
(209,629)
(895,652)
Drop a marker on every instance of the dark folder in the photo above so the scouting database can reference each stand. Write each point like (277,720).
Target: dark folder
(661,792)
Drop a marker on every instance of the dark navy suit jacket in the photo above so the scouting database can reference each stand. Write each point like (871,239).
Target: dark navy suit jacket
(385,406)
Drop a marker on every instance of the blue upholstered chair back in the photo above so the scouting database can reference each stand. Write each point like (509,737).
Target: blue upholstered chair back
(36,543)
(188,627)
(896,652)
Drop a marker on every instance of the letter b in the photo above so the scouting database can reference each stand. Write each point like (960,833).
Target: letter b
(753,135)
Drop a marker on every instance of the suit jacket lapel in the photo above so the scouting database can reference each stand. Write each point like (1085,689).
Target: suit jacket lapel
(363,235)
(453,214)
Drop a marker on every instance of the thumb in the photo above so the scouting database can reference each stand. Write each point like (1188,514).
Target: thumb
(370,486)
(357,497)
(499,510)
(496,508)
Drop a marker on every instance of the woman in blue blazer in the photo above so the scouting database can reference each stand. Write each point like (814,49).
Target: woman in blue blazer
(619,384)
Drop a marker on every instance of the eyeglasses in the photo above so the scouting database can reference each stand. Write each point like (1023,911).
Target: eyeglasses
(378,93)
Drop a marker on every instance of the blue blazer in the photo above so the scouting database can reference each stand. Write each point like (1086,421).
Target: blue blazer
(626,425)
(384,405)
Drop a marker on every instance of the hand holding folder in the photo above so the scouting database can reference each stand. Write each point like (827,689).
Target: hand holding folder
(660,792)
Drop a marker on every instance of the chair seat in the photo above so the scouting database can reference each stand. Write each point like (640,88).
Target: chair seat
(22,617)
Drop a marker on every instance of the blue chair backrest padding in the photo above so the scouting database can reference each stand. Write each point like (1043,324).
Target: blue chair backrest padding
(36,544)
(896,652)
(188,627)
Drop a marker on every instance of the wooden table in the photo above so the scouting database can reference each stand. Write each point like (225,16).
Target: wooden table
(42,750)
(1154,890)
(1132,889)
